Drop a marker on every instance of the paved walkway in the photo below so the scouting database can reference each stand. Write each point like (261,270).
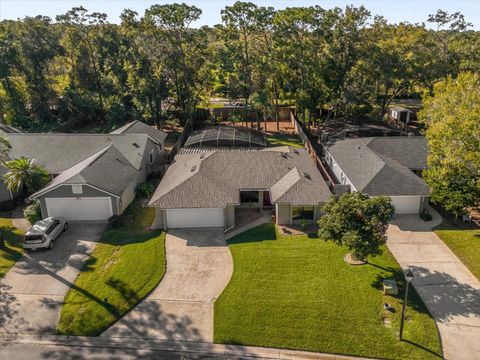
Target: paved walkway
(199,266)
(32,292)
(19,221)
(446,286)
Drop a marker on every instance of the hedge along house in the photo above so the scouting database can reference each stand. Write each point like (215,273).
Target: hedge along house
(94,175)
(206,187)
(390,166)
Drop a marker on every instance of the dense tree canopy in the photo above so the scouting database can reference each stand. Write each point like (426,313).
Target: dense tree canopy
(80,70)
(358,222)
(453,118)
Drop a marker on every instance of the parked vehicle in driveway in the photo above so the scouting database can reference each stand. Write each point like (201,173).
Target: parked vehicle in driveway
(44,232)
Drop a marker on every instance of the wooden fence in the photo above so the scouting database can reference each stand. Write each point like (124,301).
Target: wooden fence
(311,150)
(180,141)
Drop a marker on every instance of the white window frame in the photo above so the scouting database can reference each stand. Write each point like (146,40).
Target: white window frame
(77,189)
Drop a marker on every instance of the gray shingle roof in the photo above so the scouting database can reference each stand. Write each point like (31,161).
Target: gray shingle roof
(409,151)
(95,171)
(214,178)
(138,127)
(382,166)
(58,152)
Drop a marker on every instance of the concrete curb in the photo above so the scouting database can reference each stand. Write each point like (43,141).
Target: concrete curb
(167,345)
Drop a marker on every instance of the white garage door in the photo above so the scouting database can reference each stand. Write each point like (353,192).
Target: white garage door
(191,218)
(95,208)
(406,204)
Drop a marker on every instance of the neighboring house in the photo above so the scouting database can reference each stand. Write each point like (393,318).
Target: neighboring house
(400,114)
(94,175)
(204,187)
(389,166)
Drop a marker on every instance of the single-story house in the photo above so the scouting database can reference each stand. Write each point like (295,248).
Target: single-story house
(389,166)
(205,187)
(94,176)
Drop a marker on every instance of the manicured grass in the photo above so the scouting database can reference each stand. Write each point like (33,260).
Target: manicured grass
(13,245)
(296,292)
(123,268)
(278,139)
(465,244)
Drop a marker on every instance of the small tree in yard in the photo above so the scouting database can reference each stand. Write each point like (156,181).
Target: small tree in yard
(358,222)
(25,175)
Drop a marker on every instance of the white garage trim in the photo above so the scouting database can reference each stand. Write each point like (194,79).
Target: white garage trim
(47,190)
(86,208)
(406,204)
(198,217)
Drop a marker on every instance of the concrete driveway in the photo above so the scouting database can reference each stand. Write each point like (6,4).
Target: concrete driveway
(446,286)
(199,266)
(32,292)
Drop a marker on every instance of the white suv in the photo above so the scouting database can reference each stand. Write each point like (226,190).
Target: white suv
(44,232)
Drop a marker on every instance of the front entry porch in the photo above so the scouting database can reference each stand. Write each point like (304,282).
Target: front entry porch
(244,216)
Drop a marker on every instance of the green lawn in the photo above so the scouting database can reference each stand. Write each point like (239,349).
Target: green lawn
(278,139)
(124,267)
(13,245)
(465,244)
(296,292)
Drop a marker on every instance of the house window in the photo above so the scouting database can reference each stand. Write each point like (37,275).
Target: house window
(77,189)
(302,213)
(249,197)
(151,157)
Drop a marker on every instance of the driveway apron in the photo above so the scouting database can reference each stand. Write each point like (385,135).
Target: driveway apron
(32,292)
(446,286)
(199,266)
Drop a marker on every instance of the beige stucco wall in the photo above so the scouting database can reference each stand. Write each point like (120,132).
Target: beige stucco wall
(230,216)
(159,221)
(283,214)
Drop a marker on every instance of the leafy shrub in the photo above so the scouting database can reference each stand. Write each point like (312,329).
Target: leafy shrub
(425,215)
(114,222)
(33,212)
(144,190)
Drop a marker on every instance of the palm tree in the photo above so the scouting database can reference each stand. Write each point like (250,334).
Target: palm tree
(25,175)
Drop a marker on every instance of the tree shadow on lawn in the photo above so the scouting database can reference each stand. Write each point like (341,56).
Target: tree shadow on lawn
(13,241)
(398,275)
(446,294)
(414,300)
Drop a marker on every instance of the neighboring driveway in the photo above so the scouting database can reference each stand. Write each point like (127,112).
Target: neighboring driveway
(446,286)
(32,292)
(199,266)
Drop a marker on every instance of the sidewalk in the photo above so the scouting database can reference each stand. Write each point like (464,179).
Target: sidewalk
(448,289)
(99,346)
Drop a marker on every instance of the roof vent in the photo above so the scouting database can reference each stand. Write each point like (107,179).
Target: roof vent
(284,155)
(307,176)
(358,147)
(194,167)
(295,151)
(136,145)
(202,156)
